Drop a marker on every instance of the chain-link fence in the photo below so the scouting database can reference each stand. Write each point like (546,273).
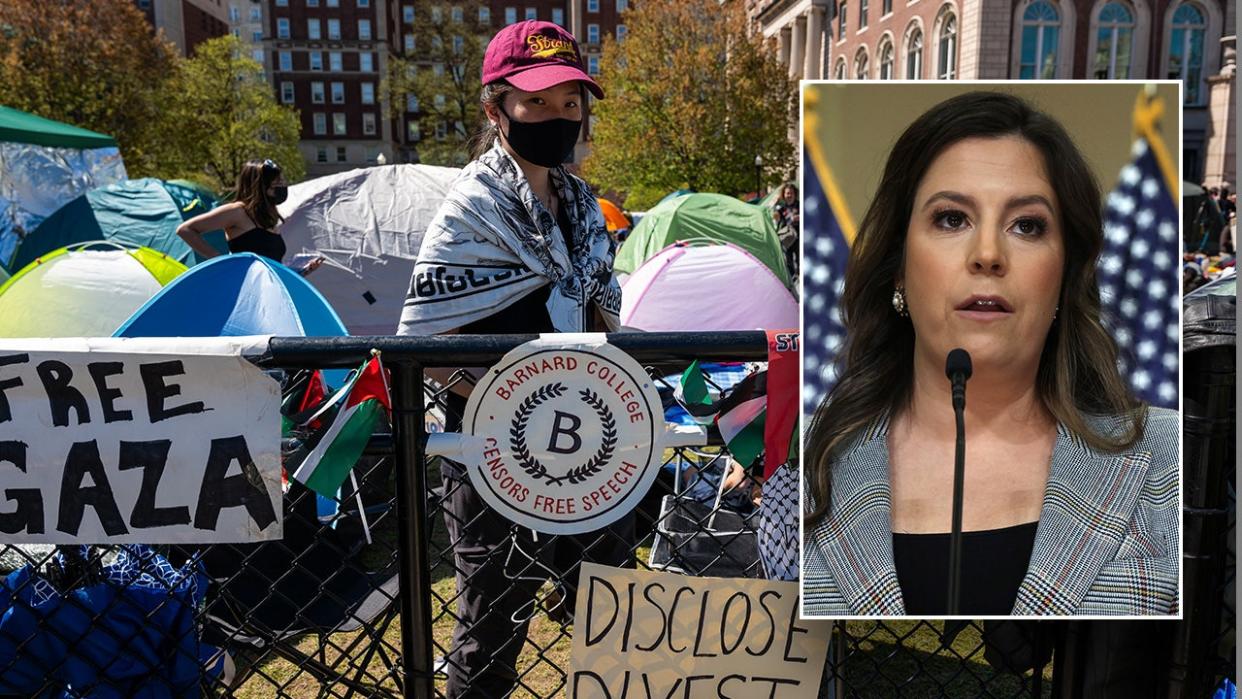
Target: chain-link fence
(406,585)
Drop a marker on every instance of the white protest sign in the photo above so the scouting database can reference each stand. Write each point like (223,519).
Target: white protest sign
(640,634)
(565,434)
(137,441)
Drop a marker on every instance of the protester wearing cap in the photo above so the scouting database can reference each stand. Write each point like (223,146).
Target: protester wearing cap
(519,246)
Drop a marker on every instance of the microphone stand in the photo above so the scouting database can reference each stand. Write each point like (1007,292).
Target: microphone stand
(959,473)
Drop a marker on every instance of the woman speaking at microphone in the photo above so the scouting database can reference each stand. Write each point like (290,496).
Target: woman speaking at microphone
(984,235)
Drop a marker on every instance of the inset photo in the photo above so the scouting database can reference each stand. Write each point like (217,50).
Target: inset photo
(992,325)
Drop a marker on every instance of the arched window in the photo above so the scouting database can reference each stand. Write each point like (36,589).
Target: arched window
(861,64)
(946,66)
(1040,28)
(1114,42)
(886,59)
(839,71)
(1186,50)
(914,54)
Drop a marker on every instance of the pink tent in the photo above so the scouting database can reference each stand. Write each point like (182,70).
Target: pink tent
(710,287)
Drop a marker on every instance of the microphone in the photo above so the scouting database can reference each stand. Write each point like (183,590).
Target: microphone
(957,368)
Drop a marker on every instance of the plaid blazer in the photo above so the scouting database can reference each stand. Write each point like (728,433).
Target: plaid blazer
(1106,544)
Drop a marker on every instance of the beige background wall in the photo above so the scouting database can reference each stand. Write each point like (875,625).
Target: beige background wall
(859,122)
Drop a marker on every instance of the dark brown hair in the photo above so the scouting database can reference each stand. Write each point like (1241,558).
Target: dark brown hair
(251,190)
(493,94)
(1077,374)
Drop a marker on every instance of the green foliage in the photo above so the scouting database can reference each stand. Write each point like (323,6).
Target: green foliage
(693,97)
(442,73)
(219,113)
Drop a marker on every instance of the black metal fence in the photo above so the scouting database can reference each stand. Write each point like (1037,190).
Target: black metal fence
(364,596)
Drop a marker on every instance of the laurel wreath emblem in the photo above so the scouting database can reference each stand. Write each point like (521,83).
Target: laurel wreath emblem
(532,466)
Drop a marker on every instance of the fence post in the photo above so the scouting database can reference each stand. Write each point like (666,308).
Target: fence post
(418,679)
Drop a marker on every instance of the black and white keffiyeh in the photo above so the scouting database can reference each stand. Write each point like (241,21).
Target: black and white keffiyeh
(493,242)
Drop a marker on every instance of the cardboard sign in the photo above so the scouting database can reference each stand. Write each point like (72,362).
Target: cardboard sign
(131,441)
(640,634)
(566,434)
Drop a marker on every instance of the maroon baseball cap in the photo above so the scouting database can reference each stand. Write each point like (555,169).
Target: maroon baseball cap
(534,56)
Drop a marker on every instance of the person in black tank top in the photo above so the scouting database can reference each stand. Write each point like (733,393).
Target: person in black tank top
(250,221)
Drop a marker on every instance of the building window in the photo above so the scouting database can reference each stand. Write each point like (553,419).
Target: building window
(257,55)
(282,3)
(841,22)
(368,123)
(592,5)
(510,15)
(860,65)
(256,36)
(312,29)
(412,132)
(312,3)
(286,92)
(839,71)
(456,14)
(334,62)
(364,3)
(316,60)
(321,155)
(622,6)
(282,28)
(914,54)
(1038,52)
(338,124)
(1186,50)
(459,44)
(532,13)
(407,14)
(334,29)
(1114,41)
(341,155)
(316,93)
(437,43)
(285,60)
(321,123)
(256,14)
(592,33)
(439,101)
(621,30)
(441,131)
(946,62)
(364,30)
(886,60)
(411,103)
(886,8)
(234,14)
(365,62)
(437,69)
(338,93)
(862,14)
(485,15)
(334,3)
(593,65)
(368,93)
(409,43)
(558,16)
(237,32)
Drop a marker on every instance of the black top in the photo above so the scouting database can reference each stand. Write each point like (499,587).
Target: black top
(260,241)
(994,561)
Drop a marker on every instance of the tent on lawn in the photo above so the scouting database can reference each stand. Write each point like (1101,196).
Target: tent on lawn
(614,218)
(368,225)
(695,288)
(45,164)
(85,290)
(143,212)
(704,218)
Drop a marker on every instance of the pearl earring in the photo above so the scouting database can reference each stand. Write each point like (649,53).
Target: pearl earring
(899,302)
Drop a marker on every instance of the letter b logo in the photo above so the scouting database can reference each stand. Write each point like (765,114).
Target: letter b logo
(558,429)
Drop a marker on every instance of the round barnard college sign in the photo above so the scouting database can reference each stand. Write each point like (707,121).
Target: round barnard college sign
(569,435)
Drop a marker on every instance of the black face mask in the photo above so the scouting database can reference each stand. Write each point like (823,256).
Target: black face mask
(545,143)
(279,195)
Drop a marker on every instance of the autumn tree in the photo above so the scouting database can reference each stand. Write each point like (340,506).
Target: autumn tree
(693,97)
(438,74)
(222,112)
(96,64)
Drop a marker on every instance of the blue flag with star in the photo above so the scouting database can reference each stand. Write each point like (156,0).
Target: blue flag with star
(825,252)
(1139,273)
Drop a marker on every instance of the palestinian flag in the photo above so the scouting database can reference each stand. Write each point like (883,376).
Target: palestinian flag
(742,416)
(365,402)
(303,396)
(692,394)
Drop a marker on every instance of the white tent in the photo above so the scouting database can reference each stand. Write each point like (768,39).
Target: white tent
(368,225)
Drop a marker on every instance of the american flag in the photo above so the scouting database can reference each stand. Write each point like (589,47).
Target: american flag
(825,252)
(1140,285)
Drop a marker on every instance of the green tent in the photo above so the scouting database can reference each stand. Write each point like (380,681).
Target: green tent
(143,212)
(704,218)
(20,127)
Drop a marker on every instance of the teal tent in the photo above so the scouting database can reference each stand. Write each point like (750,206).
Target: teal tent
(20,127)
(701,218)
(142,213)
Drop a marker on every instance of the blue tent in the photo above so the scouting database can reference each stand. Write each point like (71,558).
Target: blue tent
(231,295)
(142,212)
